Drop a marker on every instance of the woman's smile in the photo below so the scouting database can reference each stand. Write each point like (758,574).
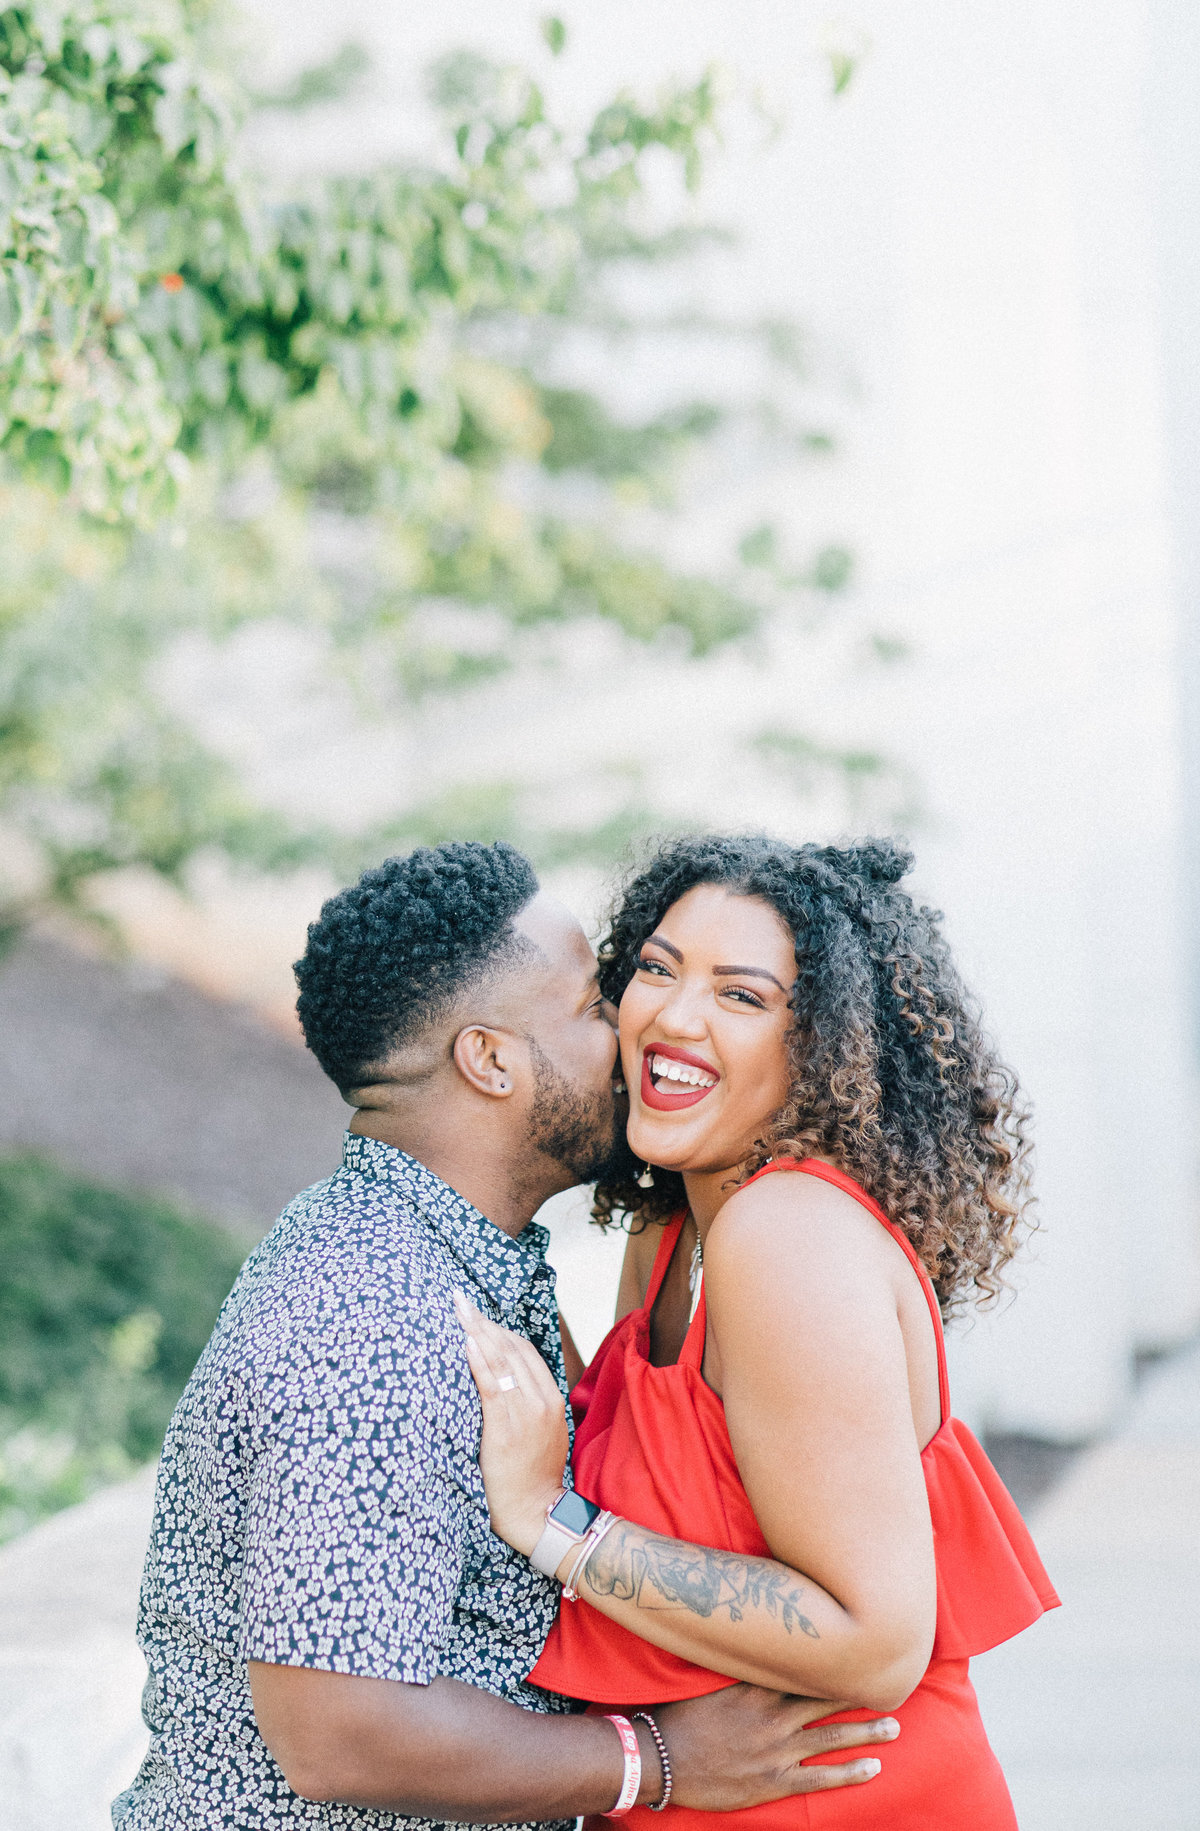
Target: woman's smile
(703,1040)
(674,1078)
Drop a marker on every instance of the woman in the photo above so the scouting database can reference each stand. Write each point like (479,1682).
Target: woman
(795,1506)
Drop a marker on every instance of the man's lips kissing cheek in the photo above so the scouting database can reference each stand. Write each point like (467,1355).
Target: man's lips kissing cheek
(674,1078)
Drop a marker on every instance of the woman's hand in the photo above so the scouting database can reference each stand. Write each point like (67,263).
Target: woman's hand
(523,1455)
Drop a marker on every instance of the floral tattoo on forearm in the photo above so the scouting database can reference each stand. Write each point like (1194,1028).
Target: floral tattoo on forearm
(667,1573)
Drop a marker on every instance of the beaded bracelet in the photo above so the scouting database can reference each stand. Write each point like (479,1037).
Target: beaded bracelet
(631,1782)
(643,1716)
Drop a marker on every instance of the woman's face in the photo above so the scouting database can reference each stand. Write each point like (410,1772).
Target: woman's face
(704,1024)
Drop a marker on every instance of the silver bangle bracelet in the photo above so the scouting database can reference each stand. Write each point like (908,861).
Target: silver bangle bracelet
(643,1716)
(592,1537)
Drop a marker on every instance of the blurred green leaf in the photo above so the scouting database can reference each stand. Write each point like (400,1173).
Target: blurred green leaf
(329,81)
(832,569)
(555,34)
(874,785)
(760,547)
(842,67)
(585,436)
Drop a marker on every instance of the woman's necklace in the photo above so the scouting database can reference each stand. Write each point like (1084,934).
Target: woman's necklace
(696,1274)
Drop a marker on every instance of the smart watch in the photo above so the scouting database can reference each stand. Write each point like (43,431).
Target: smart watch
(568,1521)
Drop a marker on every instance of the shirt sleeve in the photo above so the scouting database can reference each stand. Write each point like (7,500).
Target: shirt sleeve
(355,1527)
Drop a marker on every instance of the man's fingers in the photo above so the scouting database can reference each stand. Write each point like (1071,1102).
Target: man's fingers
(846,1773)
(828,1736)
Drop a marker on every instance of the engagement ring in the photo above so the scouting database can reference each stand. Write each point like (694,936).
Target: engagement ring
(506,1382)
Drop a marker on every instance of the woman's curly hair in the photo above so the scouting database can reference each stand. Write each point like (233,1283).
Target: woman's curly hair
(892,1078)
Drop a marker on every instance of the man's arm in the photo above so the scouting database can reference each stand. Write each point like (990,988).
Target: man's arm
(449,1751)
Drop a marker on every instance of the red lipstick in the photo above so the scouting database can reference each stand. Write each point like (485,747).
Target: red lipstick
(672,1096)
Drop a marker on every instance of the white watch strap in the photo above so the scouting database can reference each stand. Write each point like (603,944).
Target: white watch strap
(553,1547)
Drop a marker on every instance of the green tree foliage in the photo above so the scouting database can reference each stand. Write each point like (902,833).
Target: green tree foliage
(194,363)
(113,134)
(106,1300)
(155,301)
(96,772)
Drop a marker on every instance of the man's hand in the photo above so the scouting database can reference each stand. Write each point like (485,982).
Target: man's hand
(449,1751)
(743,1746)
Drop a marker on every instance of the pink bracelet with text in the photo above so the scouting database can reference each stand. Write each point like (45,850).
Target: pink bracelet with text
(631,1784)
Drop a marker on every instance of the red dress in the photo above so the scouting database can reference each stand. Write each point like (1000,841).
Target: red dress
(651,1444)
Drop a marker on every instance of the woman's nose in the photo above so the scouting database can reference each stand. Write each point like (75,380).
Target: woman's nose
(683,1014)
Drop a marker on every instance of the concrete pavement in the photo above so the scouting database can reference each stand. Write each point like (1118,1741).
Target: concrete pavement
(71,1675)
(1095,1713)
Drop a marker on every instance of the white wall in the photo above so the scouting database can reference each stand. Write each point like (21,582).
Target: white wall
(969,229)
(1020,520)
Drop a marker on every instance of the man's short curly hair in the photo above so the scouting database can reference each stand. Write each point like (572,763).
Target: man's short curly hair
(387,957)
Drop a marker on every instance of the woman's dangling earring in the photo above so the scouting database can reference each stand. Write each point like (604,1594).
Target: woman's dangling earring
(646,1179)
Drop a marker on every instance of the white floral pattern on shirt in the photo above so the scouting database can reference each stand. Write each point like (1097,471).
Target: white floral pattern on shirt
(319,1501)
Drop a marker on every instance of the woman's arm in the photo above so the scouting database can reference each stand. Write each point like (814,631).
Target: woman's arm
(803,1326)
(636,1267)
(803,1313)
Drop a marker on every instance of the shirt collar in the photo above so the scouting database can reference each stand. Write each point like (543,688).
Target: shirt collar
(504,1266)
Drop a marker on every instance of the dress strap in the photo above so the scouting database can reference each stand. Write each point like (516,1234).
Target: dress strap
(662,1258)
(829,1173)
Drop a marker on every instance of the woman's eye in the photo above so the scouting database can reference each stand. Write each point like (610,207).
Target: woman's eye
(744,997)
(653,966)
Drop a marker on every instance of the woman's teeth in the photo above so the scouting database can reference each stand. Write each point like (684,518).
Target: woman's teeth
(665,1070)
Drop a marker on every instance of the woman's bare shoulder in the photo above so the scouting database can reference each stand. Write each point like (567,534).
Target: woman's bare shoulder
(799,1276)
(791,1216)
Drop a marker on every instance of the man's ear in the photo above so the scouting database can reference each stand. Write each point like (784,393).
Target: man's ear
(487,1060)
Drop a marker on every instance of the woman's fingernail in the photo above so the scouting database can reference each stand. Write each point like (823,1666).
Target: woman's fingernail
(471,1342)
(872,1767)
(888,1726)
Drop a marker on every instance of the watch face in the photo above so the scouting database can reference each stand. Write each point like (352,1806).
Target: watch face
(575,1513)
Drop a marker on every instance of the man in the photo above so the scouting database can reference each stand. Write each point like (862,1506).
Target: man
(334,1635)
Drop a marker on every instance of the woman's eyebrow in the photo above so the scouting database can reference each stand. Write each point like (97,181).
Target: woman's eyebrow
(749,972)
(657,941)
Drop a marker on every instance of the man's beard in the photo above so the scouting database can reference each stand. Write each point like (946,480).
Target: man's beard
(585,1133)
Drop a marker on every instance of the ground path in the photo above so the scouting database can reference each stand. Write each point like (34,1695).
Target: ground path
(139,1081)
(1095,1713)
